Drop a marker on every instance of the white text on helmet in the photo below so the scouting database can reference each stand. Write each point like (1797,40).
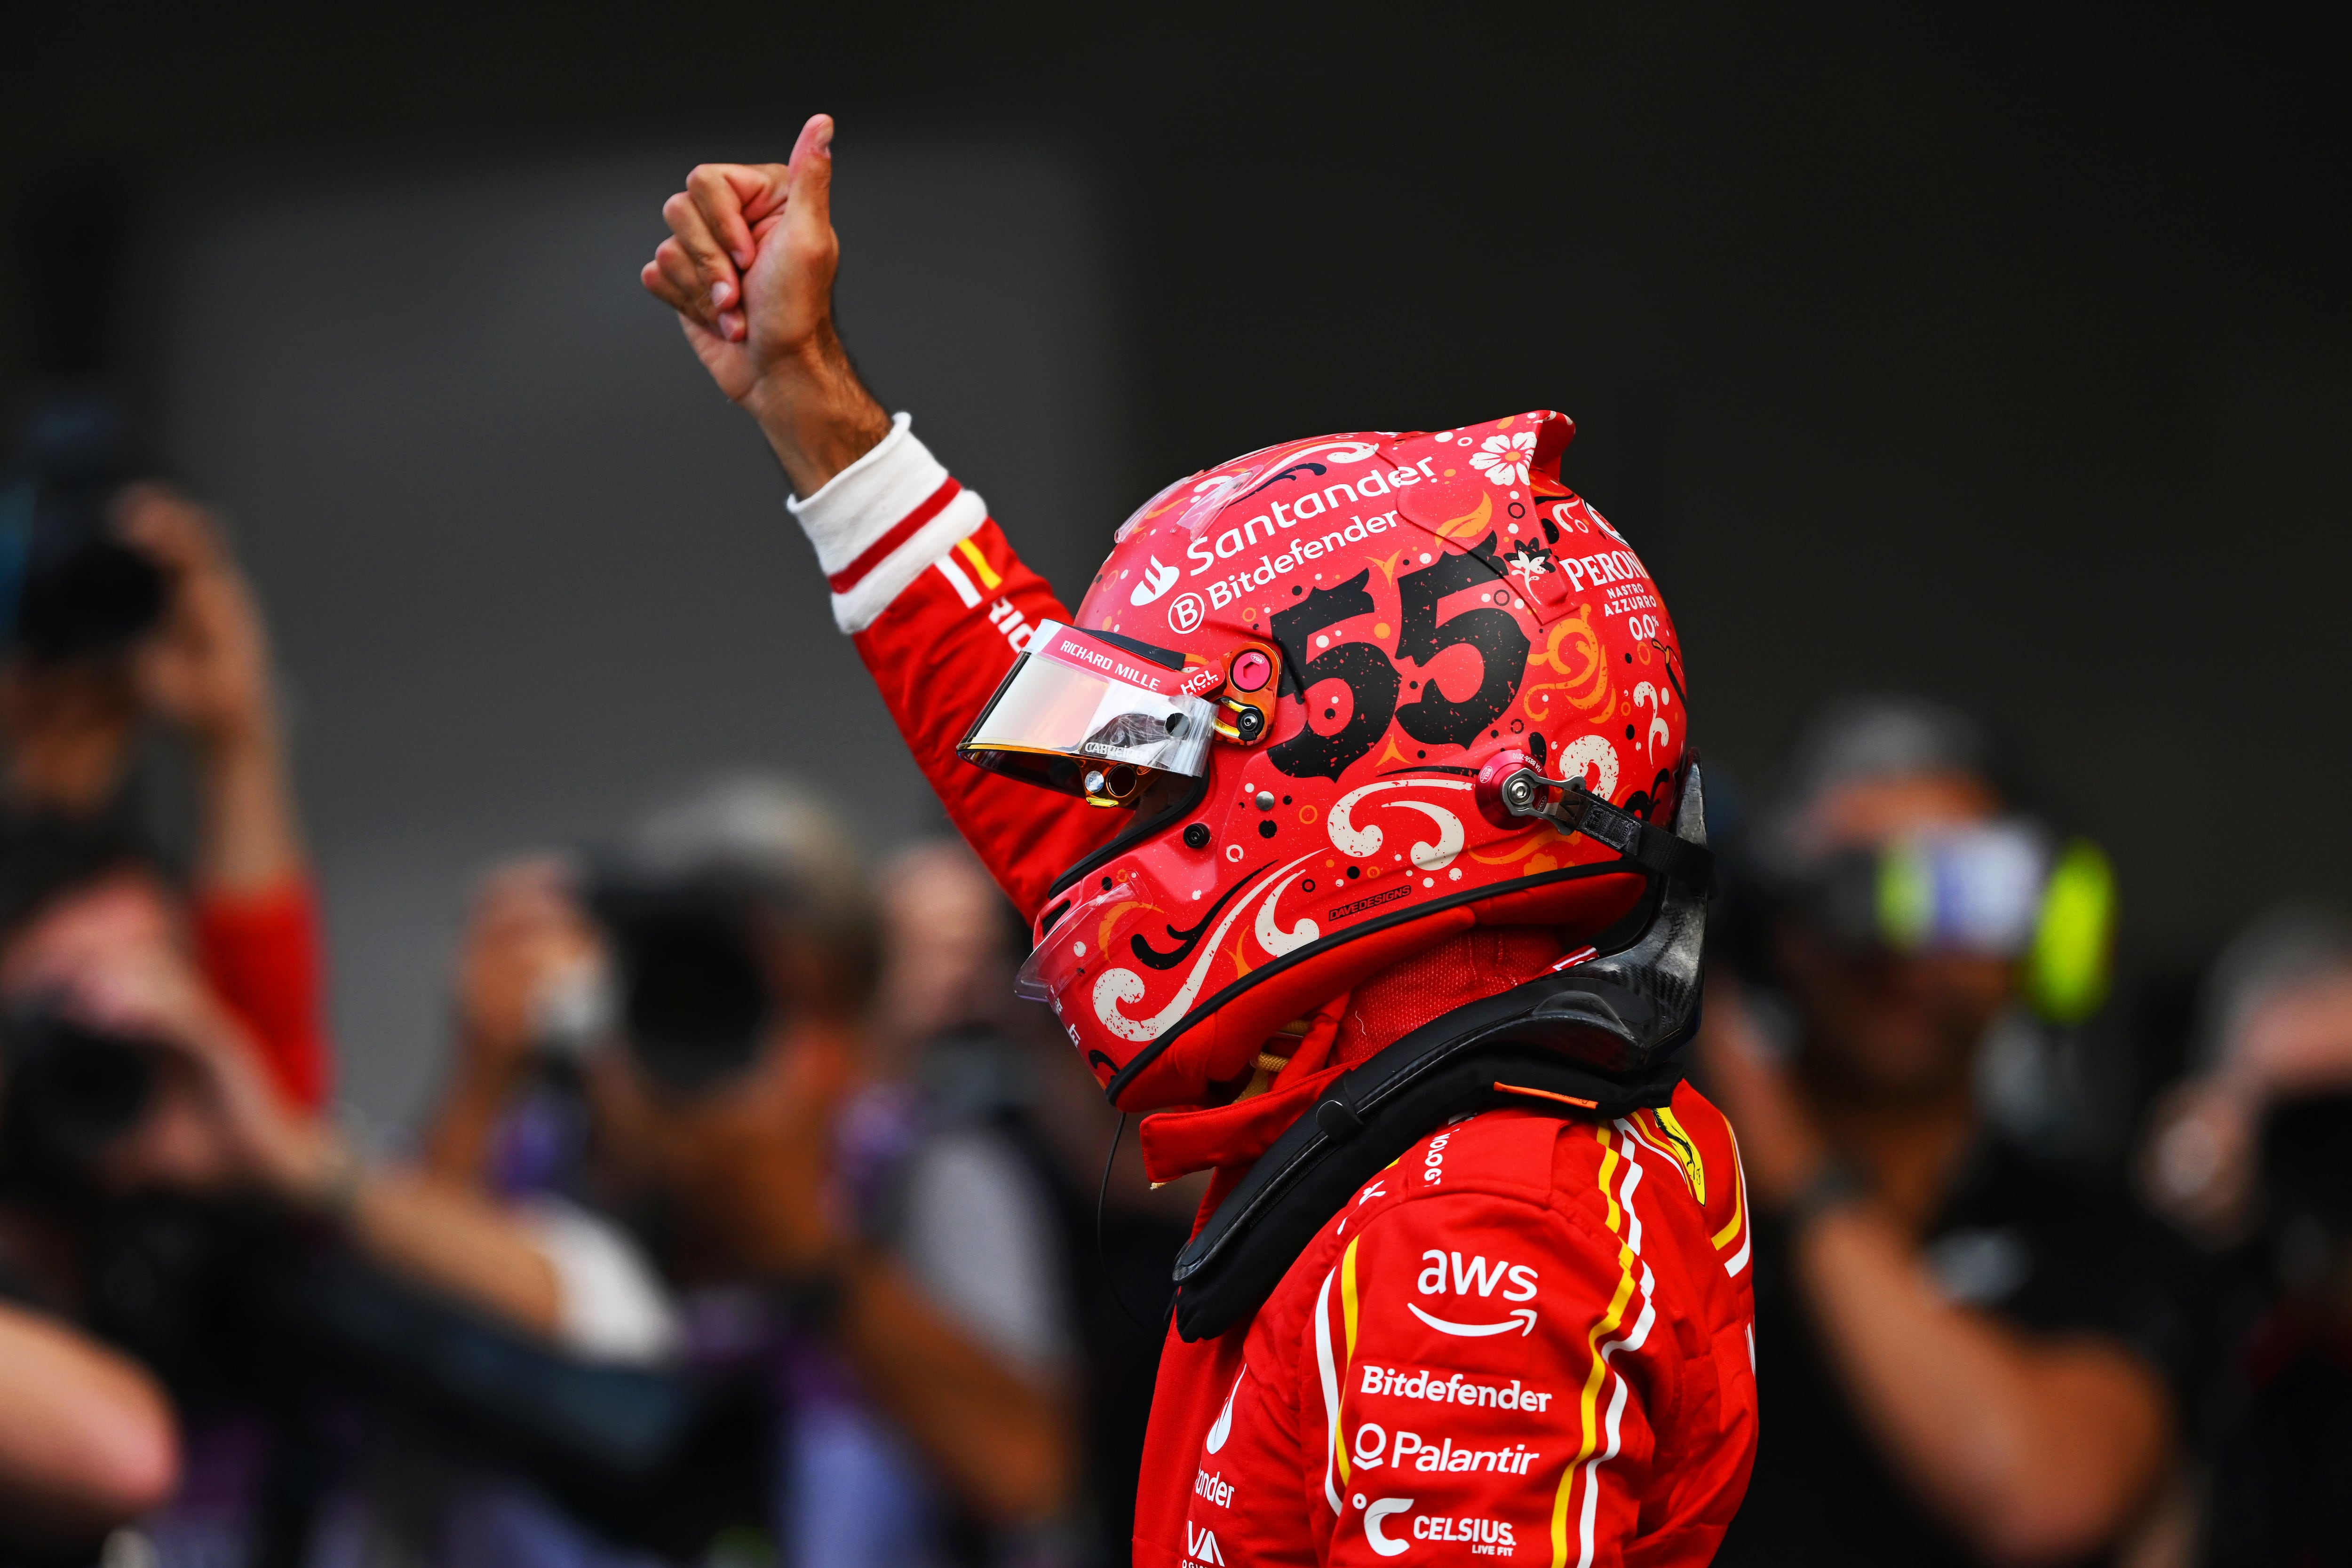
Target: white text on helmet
(1272,568)
(1289,515)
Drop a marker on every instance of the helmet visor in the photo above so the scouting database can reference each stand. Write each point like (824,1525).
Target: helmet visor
(1089,718)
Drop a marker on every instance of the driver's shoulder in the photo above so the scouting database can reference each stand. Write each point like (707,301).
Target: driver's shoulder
(1669,1176)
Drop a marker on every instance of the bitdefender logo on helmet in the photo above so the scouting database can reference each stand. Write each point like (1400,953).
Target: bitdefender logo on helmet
(1186,614)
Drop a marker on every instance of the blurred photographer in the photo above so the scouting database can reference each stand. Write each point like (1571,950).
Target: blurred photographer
(1966,1353)
(127,1071)
(157,1184)
(885,1278)
(166,1180)
(952,946)
(2254,1156)
(121,606)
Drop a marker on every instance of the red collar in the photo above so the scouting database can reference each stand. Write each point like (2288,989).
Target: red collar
(1343,1032)
(1177,1143)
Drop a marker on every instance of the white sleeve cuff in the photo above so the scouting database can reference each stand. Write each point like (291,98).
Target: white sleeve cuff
(614,1307)
(880,521)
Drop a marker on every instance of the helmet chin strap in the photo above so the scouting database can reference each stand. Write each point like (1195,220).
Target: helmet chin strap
(1595,1038)
(1273,1057)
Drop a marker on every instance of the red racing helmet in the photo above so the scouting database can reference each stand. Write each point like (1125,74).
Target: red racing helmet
(1309,672)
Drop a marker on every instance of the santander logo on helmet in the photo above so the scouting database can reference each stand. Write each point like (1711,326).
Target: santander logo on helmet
(1369,618)
(1157,581)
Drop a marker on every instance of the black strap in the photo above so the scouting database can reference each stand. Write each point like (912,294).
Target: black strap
(1675,860)
(1590,1048)
(1653,848)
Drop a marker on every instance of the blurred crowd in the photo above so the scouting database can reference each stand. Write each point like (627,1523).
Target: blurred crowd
(754,1221)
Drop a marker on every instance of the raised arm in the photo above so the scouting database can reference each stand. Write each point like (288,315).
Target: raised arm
(86,1437)
(206,672)
(921,577)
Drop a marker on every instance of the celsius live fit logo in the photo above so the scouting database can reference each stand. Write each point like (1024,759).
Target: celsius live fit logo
(1386,1508)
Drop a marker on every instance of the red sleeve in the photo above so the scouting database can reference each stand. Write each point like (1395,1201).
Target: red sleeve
(262,952)
(938,652)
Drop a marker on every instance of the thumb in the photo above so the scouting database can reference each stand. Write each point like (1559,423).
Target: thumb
(810,209)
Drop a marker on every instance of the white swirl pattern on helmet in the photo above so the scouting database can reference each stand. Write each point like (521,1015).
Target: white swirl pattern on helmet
(1590,751)
(1122,986)
(1362,843)
(1273,937)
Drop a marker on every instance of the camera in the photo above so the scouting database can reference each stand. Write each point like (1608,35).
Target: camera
(2306,1166)
(70,588)
(66,1090)
(2004,889)
(686,988)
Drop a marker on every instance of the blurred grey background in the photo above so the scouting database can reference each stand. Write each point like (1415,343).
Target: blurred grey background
(2000,357)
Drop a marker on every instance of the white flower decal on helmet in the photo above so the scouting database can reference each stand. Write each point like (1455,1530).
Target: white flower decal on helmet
(1503,459)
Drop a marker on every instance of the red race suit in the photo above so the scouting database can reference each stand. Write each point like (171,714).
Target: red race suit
(1531,1338)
